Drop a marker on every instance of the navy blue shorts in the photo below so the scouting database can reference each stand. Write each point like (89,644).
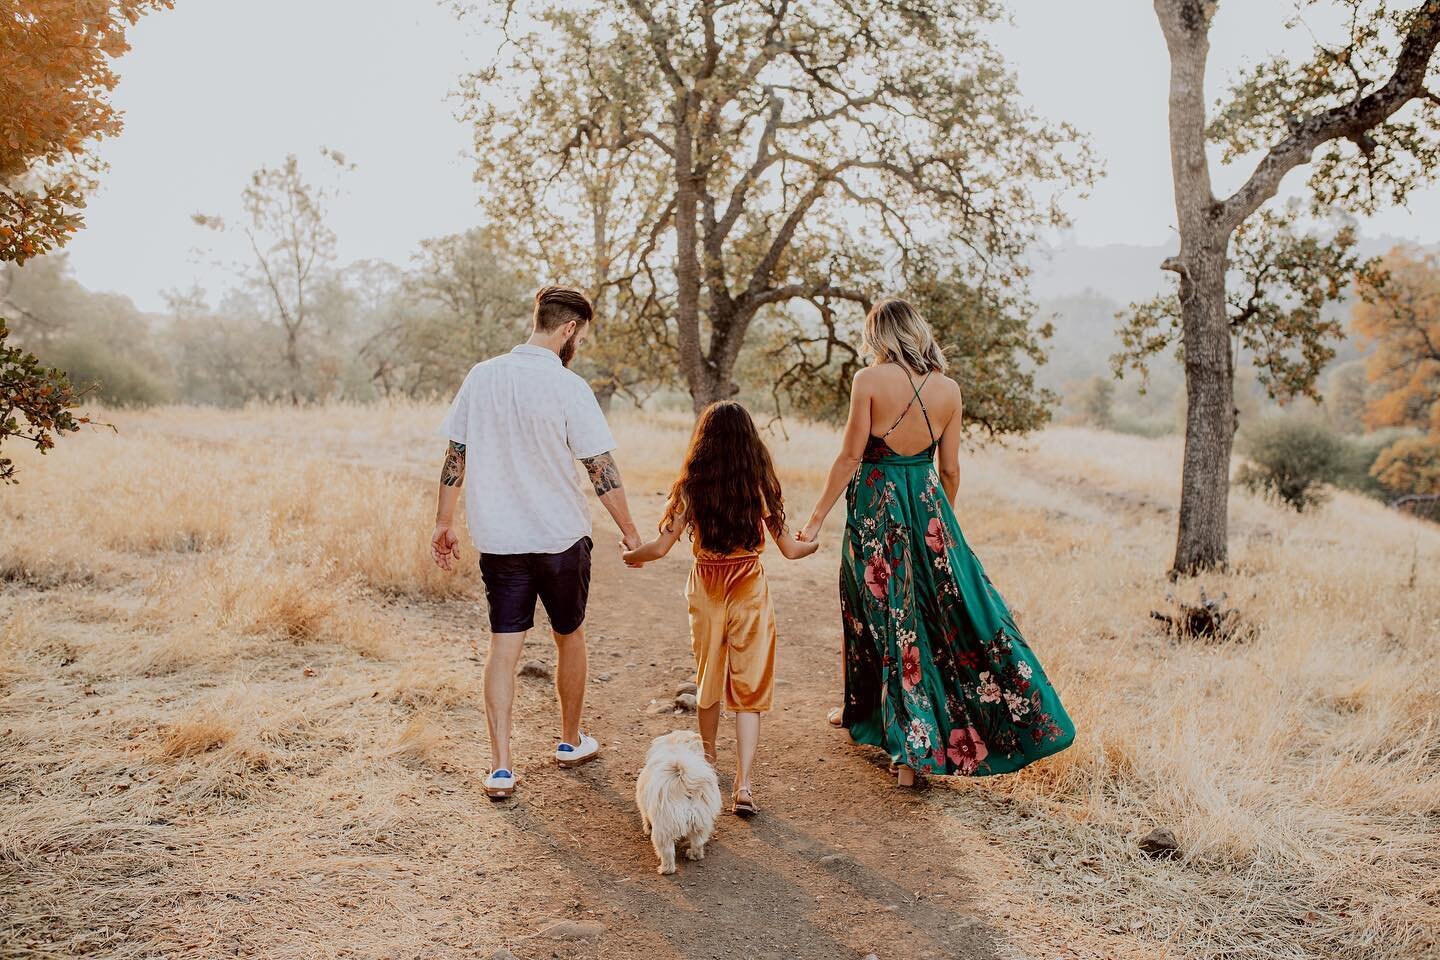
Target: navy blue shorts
(514,581)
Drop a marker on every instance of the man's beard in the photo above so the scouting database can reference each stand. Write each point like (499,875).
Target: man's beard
(567,349)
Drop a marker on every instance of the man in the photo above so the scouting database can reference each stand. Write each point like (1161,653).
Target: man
(516,428)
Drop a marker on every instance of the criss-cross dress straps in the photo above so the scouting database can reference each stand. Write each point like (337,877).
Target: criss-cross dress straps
(926,413)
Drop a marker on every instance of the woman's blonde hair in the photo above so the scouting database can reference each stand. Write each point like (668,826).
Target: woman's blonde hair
(896,333)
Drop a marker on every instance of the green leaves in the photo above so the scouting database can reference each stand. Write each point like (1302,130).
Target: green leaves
(35,402)
(1279,293)
(1366,164)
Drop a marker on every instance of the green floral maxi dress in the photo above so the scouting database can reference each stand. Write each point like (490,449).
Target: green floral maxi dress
(936,672)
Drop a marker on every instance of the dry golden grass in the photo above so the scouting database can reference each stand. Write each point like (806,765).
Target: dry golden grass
(182,579)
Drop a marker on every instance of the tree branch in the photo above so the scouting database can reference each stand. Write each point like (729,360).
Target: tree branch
(1351,121)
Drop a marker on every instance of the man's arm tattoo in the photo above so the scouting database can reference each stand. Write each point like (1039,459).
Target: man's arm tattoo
(452,474)
(604,475)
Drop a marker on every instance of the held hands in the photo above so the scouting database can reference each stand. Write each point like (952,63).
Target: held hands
(629,543)
(810,533)
(444,546)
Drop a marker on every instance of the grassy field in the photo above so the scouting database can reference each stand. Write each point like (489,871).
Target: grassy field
(239,714)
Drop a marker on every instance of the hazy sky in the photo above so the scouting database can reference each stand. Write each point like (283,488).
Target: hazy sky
(215,88)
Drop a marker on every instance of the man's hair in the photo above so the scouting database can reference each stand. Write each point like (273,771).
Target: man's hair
(557,306)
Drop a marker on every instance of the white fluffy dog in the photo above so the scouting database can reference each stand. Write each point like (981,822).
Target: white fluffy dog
(678,796)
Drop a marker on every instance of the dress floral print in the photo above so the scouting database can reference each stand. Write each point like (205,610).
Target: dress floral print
(936,672)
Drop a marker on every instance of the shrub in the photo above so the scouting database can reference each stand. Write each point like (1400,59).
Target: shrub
(119,379)
(1161,426)
(1291,460)
(1358,455)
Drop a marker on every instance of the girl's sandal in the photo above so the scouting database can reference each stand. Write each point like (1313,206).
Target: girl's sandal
(744,808)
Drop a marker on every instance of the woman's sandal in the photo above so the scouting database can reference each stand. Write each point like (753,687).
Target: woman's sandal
(744,808)
(836,716)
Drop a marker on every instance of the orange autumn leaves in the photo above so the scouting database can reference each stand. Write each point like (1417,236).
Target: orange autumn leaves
(55,79)
(1398,311)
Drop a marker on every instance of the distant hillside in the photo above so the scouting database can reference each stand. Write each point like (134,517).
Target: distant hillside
(1080,289)
(1130,272)
(1119,272)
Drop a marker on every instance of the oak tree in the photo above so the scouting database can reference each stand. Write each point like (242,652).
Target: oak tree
(802,153)
(1359,111)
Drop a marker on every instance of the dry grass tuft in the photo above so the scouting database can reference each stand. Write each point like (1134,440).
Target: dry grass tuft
(421,739)
(196,734)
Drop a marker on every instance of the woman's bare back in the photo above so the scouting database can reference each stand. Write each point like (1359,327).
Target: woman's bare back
(899,416)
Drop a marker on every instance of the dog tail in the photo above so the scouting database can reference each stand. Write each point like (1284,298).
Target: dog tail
(684,779)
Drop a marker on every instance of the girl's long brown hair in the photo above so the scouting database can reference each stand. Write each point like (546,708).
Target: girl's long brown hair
(727,485)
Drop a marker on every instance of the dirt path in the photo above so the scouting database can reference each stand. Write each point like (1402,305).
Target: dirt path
(839,864)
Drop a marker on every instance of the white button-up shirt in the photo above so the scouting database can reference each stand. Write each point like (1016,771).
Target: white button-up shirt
(525,419)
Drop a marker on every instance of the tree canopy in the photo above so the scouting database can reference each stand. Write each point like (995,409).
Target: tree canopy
(56,74)
(777,154)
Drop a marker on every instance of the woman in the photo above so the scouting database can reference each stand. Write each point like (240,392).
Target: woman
(936,672)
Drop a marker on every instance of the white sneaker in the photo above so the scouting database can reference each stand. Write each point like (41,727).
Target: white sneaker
(500,784)
(572,756)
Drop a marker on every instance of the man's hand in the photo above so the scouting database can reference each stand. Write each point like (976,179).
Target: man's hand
(629,543)
(444,546)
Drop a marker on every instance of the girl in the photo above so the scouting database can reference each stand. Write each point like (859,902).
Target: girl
(727,496)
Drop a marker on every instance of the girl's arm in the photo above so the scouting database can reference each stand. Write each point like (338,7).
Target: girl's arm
(949,454)
(656,548)
(852,448)
(793,548)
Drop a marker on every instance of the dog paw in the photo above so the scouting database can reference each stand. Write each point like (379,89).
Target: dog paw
(665,869)
(695,853)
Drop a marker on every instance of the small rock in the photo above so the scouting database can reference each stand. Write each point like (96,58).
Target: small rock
(686,701)
(871,956)
(1160,842)
(503,954)
(658,707)
(534,668)
(685,688)
(603,678)
(573,930)
(631,665)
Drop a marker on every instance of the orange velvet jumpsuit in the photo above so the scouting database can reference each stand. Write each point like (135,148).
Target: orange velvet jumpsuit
(732,630)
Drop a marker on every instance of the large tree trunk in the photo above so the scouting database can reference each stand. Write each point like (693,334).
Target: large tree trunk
(1210,413)
(687,262)
(1201,264)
